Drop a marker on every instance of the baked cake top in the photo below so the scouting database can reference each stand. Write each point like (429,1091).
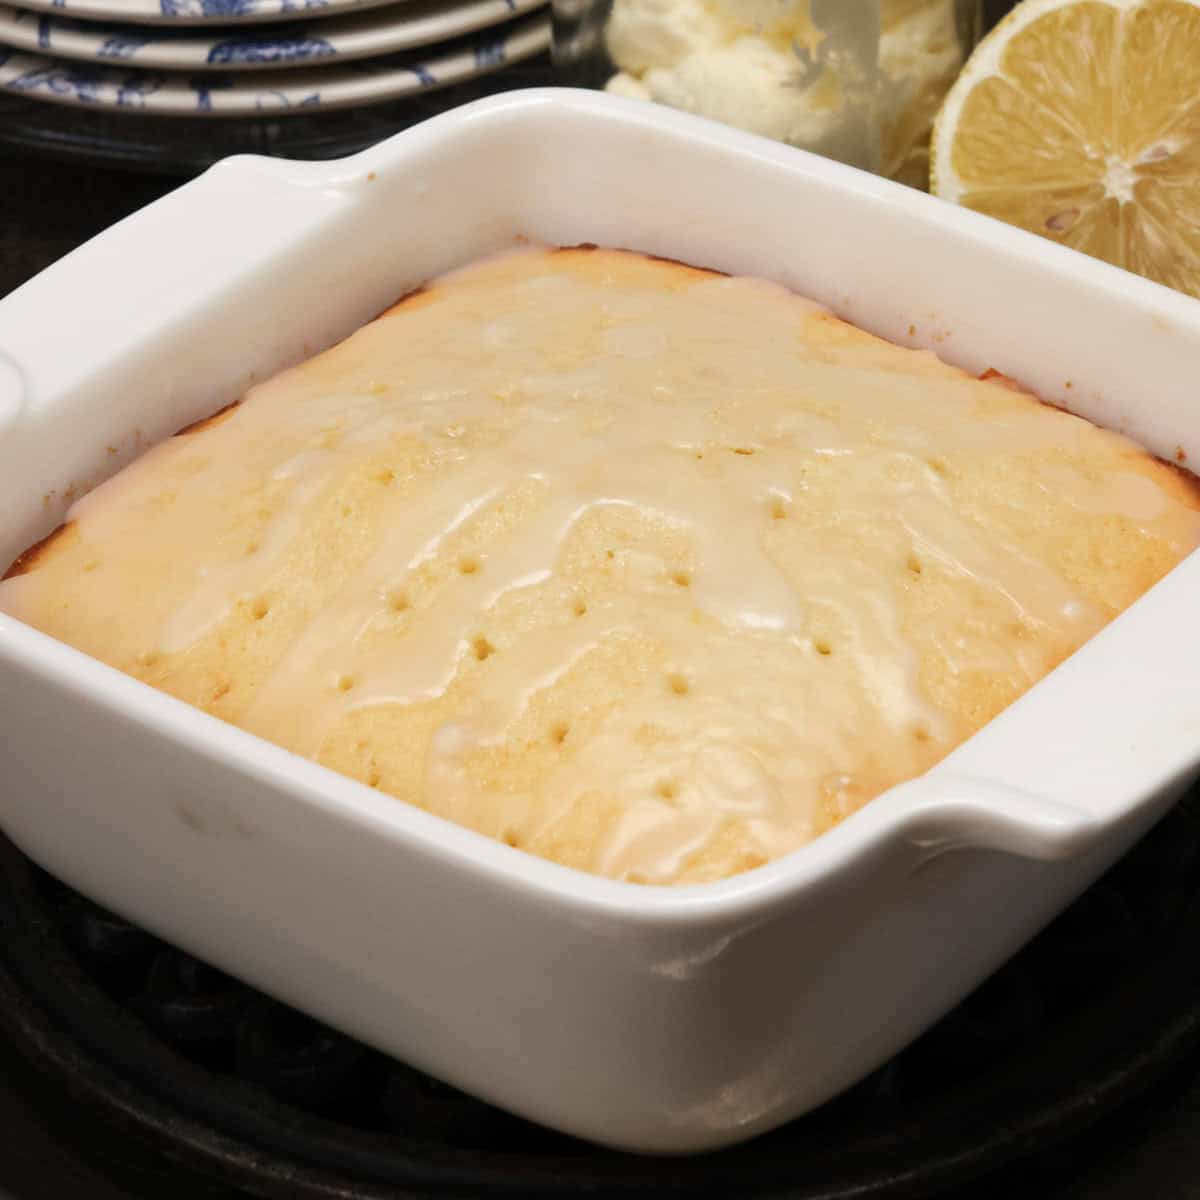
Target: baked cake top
(650,571)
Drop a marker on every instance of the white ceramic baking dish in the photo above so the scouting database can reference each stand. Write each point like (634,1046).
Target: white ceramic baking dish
(650,1019)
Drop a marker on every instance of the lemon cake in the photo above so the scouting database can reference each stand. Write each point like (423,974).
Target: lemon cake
(652,572)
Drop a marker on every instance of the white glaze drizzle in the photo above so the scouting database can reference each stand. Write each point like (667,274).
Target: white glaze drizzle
(724,414)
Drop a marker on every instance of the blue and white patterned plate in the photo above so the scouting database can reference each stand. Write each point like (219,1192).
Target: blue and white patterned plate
(359,35)
(195,12)
(300,90)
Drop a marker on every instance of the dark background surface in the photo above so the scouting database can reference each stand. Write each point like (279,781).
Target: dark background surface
(48,207)
(51,1149)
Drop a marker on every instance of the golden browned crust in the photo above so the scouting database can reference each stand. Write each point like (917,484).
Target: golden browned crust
(991,375)
(208,422)
(33,556)
(587,247)
(421,294)
(41,550)
(1180,482)
(675,262)
(1187,485)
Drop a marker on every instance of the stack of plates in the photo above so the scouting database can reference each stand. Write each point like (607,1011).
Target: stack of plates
(256,58)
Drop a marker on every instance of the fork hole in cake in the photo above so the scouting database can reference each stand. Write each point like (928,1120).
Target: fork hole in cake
(679,683)
(681,579)
(559,731)
(482,648)
(469,564)
(667,789)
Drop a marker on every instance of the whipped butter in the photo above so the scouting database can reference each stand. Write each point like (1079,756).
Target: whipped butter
(650,571)
(858,80)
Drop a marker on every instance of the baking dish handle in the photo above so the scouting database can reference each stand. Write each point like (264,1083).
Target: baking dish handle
(186,301)
(1110,736)
(948,811)
(156,267)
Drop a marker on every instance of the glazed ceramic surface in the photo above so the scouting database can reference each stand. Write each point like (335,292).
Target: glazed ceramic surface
(196,12)
(365,34)
(301,89)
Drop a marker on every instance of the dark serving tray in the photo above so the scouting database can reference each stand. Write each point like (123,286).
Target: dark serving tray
(189,1067)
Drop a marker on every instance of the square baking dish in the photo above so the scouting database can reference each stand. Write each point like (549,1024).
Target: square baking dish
(664,1020)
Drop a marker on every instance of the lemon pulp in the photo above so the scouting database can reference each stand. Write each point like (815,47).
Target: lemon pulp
(1080,120)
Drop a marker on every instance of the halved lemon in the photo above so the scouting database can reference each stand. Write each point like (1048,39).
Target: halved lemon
(1080,120)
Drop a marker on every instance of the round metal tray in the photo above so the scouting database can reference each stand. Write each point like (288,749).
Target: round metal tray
(251,1095)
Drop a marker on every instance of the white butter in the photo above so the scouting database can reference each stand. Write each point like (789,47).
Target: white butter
(767,67)
(748,84)
(644,34)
